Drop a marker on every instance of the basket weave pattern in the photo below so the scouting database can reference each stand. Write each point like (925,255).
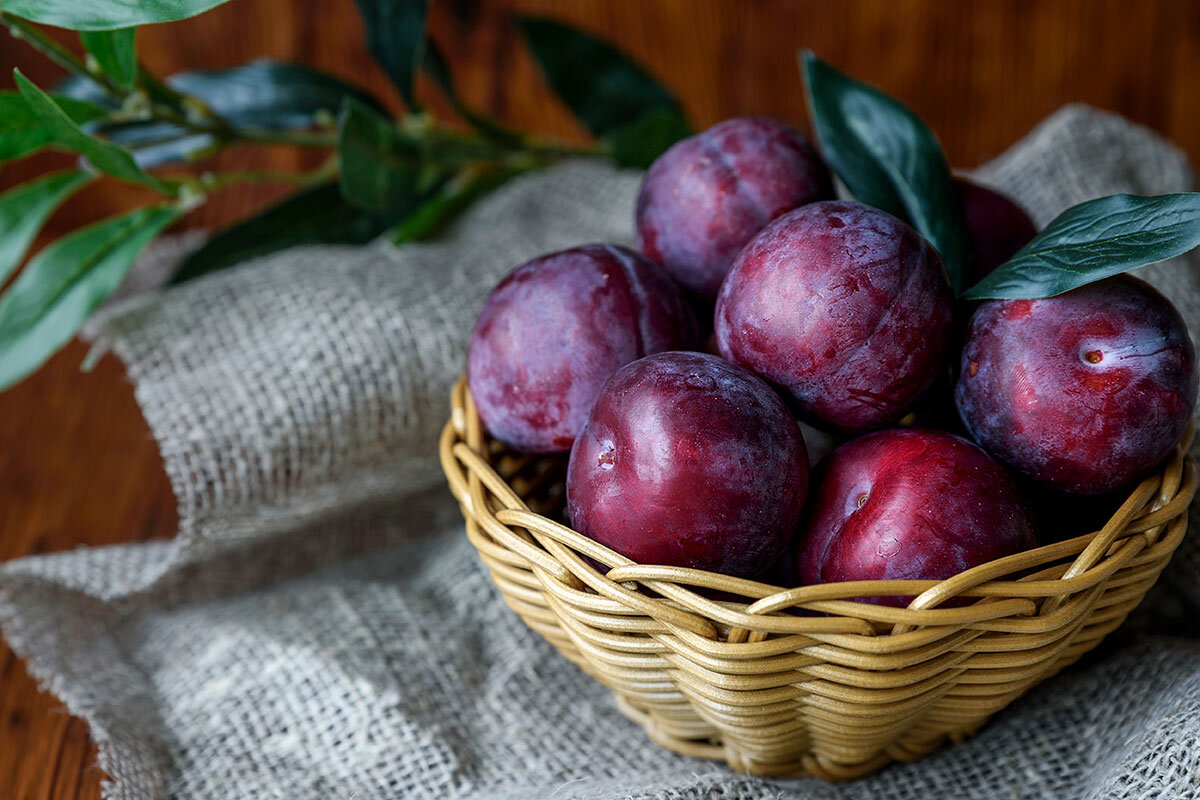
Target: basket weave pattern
(748,675)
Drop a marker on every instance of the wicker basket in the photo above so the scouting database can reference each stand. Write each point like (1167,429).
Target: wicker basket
(772,692)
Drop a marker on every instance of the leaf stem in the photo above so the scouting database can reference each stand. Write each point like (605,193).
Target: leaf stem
(217,180)
(309,138)
(23,29)
(154,89)
(185,107)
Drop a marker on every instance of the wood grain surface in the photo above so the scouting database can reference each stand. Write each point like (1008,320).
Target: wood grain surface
(77,463)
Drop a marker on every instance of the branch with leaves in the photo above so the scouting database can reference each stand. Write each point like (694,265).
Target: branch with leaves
(402,177)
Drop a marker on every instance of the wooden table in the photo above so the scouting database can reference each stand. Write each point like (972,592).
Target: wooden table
(77,463)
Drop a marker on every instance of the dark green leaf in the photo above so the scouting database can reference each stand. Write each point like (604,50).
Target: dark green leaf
(448,203)
(381,169)
(312,216)
(115,53)
(1095,240)
(643,140)
(600,84)
(153,144)
(85,90)
(23,210)
(106,157)
(22,131)
(269,94)
(65,282)
(263,94)
(101,15)
(396,37)
(888,158)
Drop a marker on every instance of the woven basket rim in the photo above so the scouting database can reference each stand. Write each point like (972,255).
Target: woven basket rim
(1152,509)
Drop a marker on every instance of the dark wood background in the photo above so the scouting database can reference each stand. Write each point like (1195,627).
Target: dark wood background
(77,463)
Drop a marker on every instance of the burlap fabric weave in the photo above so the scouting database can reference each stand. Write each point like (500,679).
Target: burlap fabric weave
(320,627)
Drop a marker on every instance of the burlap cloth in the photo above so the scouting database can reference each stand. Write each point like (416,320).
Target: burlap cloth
(320,627)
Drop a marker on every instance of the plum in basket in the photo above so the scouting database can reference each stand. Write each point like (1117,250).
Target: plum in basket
(706,196)
(688,460)
(1083,392)
(556,328)
(907,505)
(842,305)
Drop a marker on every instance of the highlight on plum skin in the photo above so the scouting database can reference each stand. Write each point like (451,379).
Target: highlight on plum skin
(845,307)
(909,504)
(688,460)
(556,328)
(999,227)
(1085,392)
(706,196)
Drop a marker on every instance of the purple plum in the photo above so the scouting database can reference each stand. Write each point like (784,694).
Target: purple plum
(842,305)
(556,328)
(1084,392)
(999,227)
(706,196)
(909,504)
(688,460)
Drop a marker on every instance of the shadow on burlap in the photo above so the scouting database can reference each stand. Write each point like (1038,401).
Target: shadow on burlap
(320,627)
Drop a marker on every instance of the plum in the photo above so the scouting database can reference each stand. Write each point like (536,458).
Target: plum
(1084,392)
(706,196)
(556,328)
(842,305)
(690,461)
(909,504)
(999,227)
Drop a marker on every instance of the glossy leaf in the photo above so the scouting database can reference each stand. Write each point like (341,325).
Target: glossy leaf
(24,209)
(1093,241)
(888,158)
(396,37)
(311,216)
(114,51)
(100,15)
(381,168)
(264,94)
(22,131)
(269,94)
(104,156)
(600,84)
(65,282)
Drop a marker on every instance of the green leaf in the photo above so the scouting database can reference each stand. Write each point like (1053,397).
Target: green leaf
(23,210)
(114,51)
(396,37)
(270,94)
(312,216)
(450,201)
(600,84)
(1093,241)
(22,131)
(643,140)
(106,157)
(381,169)
(100,15)
(65,282)
(263,94)
(889,159)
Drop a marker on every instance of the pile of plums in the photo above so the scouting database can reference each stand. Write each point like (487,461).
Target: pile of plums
(832,314)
